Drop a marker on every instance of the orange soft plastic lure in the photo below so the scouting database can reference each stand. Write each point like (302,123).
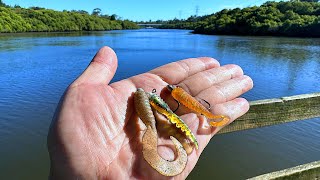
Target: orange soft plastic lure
(191,103)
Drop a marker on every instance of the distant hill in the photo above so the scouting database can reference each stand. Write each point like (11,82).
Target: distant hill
(36,19)
(291,18)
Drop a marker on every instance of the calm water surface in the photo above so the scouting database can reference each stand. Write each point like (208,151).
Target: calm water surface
(36,68)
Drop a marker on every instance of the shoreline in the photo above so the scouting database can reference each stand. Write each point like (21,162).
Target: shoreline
(192,32)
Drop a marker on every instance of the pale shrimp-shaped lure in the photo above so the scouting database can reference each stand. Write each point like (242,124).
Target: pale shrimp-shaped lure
(162,107)
(164,167)
(150,140)
(181,96)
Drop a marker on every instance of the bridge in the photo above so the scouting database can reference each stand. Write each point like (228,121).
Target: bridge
(149,25)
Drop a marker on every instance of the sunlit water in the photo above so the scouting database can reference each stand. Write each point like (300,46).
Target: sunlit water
(36,68)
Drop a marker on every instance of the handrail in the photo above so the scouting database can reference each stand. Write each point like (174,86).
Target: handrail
(304,171)
(276,111)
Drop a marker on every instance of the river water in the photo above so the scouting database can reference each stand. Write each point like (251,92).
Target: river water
(36,68)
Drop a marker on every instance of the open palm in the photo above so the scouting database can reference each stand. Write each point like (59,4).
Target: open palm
(96,133)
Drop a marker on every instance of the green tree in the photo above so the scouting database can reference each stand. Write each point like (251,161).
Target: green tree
(113,17)
(96,12)
(309,0)
(284,18)
(2,4)
(37,19)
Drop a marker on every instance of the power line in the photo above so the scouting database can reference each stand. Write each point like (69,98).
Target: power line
(197,10)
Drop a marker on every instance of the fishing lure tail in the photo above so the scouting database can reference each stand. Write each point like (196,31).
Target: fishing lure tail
(164,167)
(225,120)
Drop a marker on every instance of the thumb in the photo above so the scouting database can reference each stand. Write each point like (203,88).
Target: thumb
(101,69)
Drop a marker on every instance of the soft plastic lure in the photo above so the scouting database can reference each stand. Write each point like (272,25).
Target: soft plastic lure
(162,107)
(181,96)
(143,108)
(169,129)
(150,140)
(164,167)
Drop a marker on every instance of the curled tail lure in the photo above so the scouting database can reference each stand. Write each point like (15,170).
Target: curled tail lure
(165,127)
(158,104)
(164,167)
(150,140)
(191,103)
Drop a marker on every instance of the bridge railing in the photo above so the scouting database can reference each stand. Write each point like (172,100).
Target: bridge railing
(149,25)
(276,111)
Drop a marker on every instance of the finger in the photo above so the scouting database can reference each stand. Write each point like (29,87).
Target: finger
(175,72)
(205,79)
(227,90)
(101,69)
(171,73)
(218,93)
(233,109)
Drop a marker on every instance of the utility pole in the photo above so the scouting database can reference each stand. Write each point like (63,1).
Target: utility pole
(197,10)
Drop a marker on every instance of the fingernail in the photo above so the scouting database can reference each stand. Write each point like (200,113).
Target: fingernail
(108,54)
(247,81)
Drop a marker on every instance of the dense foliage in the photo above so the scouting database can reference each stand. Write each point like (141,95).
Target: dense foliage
(292,18)
(35,19)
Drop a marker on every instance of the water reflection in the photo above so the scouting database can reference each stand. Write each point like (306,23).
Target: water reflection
(24,41)
(279,62)
(275,49)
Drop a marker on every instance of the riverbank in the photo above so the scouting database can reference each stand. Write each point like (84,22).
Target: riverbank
(290,18)
(35,19)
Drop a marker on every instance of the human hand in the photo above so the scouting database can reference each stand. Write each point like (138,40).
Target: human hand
(96,133)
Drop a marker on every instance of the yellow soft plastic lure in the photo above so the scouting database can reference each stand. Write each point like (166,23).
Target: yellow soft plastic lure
(162,107)
(191,103)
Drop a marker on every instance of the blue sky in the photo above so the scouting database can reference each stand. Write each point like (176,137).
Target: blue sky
(141,9)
